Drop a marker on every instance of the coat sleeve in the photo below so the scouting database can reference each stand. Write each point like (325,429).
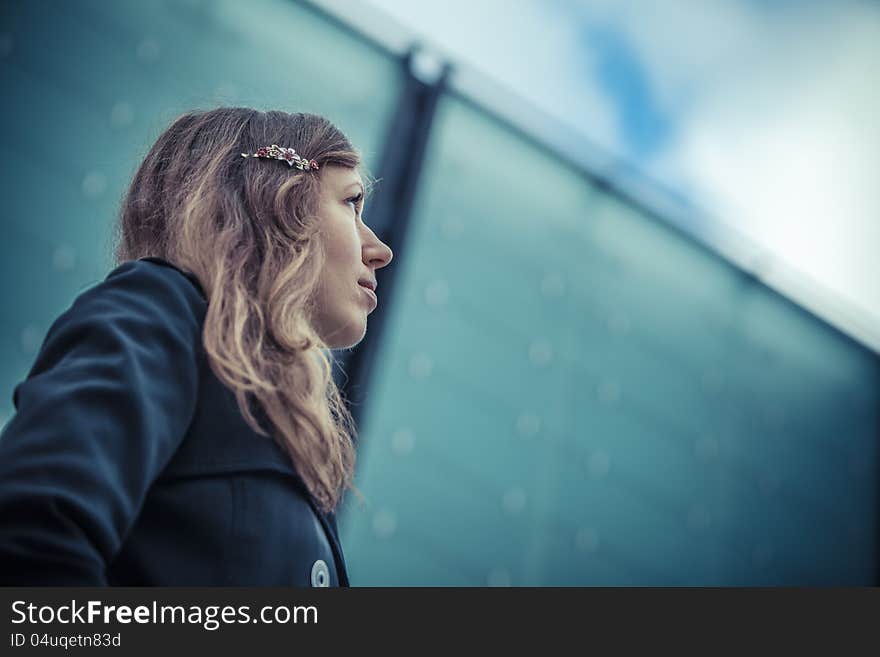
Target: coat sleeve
(108,400)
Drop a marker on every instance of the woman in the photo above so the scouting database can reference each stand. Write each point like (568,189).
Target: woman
(180,425)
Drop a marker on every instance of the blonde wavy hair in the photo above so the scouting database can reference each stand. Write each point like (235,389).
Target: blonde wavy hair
(248,230)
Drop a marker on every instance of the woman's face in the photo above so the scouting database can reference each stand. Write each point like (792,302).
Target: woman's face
(353,254)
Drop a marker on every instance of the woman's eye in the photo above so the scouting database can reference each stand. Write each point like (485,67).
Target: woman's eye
(356,200)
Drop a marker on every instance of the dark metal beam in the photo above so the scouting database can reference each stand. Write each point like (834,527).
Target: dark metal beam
(389,216)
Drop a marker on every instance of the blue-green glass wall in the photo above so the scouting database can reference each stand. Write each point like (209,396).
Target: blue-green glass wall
(572,393)
(88,86)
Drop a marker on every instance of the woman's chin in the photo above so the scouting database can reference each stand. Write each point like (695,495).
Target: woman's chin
(349,336)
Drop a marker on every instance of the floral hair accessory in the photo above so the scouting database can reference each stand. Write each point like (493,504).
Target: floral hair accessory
(276,152)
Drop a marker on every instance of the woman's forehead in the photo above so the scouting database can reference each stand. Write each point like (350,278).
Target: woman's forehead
(341,178)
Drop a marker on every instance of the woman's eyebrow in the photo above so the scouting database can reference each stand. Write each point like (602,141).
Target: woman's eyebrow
(356,184)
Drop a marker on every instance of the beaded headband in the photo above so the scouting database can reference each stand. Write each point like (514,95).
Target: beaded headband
(276,152)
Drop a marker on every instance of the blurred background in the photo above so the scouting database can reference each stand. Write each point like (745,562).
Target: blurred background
(630,335)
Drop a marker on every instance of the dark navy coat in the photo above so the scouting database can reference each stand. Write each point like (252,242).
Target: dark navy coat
(129,463)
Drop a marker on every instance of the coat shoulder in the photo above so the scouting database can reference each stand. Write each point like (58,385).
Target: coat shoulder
(169,269)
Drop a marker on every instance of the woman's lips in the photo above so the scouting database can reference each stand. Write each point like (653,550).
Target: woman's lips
(371,294)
